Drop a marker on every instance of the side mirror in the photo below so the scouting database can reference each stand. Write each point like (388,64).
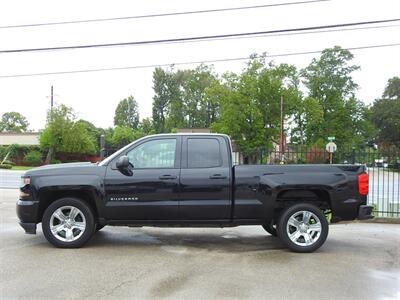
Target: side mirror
(122,163)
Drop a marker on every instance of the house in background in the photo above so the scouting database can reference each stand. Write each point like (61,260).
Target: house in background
(23,138)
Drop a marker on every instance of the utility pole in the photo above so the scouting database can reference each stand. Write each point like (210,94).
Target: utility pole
(49,155)
(281,146)
(51,100)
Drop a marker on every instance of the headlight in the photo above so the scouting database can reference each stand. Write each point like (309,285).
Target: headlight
(25,181)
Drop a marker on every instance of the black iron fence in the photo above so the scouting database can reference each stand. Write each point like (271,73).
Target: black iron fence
(383,168)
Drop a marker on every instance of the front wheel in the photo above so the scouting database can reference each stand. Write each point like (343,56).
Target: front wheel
(303,228)
(68,223)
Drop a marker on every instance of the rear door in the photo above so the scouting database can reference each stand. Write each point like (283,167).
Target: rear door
(205,179)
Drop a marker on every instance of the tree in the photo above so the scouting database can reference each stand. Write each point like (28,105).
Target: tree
(307,119)
(329,81)
(392,89)
(250,104)
(146,127)
(181,99)
(199,109)
(13,122)
(161,99)
(385,114)
(92,130)
(168,109)
(122,136)
(63,134)
(127,114)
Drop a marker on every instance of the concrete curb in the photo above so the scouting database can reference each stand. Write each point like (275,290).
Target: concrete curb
(383,220)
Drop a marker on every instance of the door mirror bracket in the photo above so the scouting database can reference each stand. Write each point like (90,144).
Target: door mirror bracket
(123,165)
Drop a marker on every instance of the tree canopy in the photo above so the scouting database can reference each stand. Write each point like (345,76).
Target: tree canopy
(13,122)
(64,134)
(318,101)
(181,99)
(385,114)
(329,81)
(250,103)
(127,113)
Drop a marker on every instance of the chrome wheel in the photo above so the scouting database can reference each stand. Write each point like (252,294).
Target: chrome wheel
(67,223)
(304,228)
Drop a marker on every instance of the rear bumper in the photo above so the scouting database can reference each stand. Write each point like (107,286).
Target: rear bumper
(365,212)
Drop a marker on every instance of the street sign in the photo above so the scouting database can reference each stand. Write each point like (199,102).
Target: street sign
(331,147)
(331,138)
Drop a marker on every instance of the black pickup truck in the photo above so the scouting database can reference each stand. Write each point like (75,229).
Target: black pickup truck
(190,180)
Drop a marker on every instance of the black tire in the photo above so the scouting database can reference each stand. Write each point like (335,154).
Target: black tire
(270,229)
(300,233)
(80,236)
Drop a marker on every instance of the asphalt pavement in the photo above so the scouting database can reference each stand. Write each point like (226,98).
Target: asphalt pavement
(358,261)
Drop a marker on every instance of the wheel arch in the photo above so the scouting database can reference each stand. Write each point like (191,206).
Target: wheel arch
(49,195)
(289,197)
(318,197)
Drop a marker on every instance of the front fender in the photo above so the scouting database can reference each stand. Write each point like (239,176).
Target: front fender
(48,187)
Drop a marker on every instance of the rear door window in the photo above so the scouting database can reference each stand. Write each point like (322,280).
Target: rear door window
(204,153)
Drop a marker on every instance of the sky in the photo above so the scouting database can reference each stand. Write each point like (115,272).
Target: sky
(95,95)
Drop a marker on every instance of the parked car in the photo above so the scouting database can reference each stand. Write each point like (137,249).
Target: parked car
(189,180)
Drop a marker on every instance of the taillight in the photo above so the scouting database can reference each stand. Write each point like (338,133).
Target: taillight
(363,184)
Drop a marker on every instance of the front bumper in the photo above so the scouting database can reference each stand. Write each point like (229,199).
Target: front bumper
(365,212)
(27,212)
(30,228)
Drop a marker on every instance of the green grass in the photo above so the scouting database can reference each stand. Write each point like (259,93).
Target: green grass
(21,168)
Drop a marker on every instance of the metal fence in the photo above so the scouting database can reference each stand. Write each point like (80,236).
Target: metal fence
(383,168)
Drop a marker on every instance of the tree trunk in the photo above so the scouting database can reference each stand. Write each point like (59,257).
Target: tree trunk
(49,156)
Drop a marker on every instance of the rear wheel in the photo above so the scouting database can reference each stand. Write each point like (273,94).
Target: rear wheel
(303,228)
(68,223)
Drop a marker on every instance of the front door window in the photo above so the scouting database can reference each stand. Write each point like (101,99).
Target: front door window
(156,154)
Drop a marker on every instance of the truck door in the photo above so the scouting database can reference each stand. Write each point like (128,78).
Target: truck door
(150,192)
(205,179)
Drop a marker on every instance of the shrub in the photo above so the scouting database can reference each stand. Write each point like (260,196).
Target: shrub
(9,162)
(33,158)
(5,166)
(55,161)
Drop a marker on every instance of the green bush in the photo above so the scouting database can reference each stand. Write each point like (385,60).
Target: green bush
(33,158)
(5,166)
(55,161)
(9,162)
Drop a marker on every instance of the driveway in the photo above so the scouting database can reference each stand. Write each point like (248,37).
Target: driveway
(359,260)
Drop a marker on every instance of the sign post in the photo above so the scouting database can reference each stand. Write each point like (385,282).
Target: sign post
(331,148)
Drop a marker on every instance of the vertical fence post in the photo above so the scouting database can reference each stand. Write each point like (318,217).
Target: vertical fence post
(102,146)
(353,155)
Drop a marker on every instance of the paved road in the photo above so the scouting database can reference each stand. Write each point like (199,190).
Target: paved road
(358,260)
(10,179)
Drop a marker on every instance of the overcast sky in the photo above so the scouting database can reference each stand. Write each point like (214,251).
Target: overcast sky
(94,96)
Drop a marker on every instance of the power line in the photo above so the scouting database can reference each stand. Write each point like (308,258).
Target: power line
(188,63)
(164,14)
(206,37)
(295,33)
